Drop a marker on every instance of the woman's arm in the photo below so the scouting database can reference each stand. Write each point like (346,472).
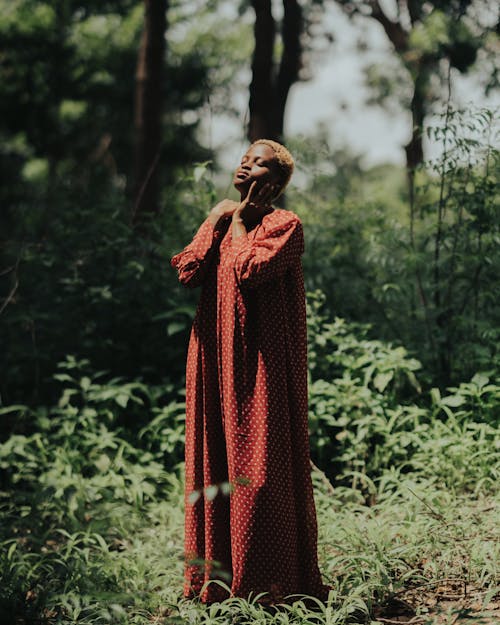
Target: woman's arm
(267,258)
(192,262)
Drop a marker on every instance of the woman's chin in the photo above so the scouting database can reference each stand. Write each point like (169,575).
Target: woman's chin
(241,185)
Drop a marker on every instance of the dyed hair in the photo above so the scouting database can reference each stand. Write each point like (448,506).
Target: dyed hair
(284,162)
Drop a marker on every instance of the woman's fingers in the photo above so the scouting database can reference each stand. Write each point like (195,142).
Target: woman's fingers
(266,194)
(249,195)
(262,196)
(225,207)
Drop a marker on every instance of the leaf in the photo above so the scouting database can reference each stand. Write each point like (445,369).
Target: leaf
(226,488)
(100,540)
(489,596)
(122,399)
(103,463)
(413,381)
(435,396)
(174,327)
(193,496)
(200,170)
(13,408)
(63,377)
(11,550)
(198,173)
(453,401)
(66,396)
(211,492)
(381,380)
(480,380)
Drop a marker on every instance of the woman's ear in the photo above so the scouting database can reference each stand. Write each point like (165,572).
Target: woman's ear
(276,178)
(278,183)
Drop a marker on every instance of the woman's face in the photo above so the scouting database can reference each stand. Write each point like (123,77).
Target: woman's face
(258,164)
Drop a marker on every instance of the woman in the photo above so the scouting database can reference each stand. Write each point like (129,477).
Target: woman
(246,395)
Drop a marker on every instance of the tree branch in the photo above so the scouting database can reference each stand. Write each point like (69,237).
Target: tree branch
(394,30)
(12,292)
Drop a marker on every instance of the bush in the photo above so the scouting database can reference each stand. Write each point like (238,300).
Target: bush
(422,266)
(368,417)
(91,498)
(74,480)
(90,285)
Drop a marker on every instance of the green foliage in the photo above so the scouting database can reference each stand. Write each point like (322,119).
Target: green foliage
(67,90)
(74,483)
(428,38)
(79,455)
(421,269)
(88,284)
(74,275)
(398,552)
(91,498)
(456,223)
(338,347)
(363,425)
(441,268)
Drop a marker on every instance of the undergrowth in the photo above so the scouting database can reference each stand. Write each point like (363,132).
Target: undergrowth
(92,506)
(404,550)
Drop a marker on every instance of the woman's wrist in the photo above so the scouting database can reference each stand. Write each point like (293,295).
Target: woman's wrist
(214,216)
(238,225)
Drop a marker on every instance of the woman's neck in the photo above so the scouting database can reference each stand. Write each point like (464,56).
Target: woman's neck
(255,212)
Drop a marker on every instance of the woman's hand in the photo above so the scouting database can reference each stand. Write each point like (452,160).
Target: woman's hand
(254,201)
(253,206)
(260,199)
(225,208)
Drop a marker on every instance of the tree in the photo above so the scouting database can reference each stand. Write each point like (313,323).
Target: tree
(271,81)
(426,278)
(148,107)
(423,34)
(72,270)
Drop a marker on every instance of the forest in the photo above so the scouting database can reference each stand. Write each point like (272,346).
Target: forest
(106,171)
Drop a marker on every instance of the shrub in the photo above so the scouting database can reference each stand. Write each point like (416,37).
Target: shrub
(367,415)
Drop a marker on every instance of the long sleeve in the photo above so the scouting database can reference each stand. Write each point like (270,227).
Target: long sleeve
(192,262)
(267,258)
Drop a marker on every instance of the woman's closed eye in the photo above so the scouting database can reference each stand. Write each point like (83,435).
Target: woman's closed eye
(259,162)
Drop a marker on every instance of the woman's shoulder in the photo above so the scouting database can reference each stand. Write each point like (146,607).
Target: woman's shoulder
(281,217)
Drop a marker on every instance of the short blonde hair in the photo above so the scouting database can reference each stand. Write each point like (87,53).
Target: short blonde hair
(284,161)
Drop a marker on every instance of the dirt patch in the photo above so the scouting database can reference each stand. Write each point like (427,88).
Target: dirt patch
(450,602)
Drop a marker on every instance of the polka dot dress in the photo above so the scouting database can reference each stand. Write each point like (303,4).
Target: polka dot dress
(246,415)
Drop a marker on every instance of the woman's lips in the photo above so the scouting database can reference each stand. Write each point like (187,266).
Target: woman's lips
(241,175)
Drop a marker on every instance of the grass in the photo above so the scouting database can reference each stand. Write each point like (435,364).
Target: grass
(420,554)
(414,548)
(92,522)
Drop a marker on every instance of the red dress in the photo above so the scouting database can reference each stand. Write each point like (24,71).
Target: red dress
(246,415)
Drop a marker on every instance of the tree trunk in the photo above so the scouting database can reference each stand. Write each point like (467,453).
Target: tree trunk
(148,108)
(290,61)
(262,85)
(414,148)
(269,89)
